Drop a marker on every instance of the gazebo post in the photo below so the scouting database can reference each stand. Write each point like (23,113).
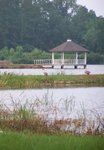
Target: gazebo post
(85,60)
(52,59)
(62,65)
(76,61)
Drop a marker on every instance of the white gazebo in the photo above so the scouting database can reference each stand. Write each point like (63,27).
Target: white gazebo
(70,47)
(67,47)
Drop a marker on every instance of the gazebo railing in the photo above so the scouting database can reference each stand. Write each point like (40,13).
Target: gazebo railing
(81,61)
(69,61)
(59,62)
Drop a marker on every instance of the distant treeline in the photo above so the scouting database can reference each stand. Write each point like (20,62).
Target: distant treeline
(44,24)
(20,56)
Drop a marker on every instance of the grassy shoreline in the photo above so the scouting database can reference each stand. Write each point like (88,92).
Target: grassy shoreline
(11,81)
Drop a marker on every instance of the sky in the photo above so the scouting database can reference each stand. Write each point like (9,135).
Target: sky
(96,5)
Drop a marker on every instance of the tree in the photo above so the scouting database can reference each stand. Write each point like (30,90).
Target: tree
(80,22)
(9,22)
(59,17)
(94,36)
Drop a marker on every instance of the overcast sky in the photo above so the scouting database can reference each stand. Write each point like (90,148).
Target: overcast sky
(96,5)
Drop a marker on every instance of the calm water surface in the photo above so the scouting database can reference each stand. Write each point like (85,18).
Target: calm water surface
(94,69)
(68,101)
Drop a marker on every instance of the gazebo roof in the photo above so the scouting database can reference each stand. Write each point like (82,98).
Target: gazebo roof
(69,46)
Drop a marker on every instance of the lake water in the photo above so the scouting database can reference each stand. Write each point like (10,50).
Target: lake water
(60,102)
(94,69)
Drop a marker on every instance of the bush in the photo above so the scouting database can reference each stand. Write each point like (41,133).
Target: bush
(95,58)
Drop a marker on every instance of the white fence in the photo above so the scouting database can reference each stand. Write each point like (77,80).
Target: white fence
(43,61)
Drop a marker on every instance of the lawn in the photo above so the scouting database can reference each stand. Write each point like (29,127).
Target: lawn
(20,141)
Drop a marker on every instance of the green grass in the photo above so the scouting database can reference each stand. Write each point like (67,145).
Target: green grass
(15,81)
(20,141)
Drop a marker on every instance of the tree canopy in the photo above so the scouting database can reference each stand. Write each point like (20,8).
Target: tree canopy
(44,24)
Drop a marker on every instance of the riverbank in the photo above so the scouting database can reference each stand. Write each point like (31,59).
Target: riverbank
(8,65)
(20,141)
(11,81)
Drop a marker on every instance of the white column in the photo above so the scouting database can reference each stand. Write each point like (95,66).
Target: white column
(76,58)
(52,58)
(85,58)
(63,58)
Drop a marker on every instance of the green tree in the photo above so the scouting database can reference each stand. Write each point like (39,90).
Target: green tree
(94,36)
(9,23)
(80,22)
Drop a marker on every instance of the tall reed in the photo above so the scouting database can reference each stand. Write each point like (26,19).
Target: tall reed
(46,116)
